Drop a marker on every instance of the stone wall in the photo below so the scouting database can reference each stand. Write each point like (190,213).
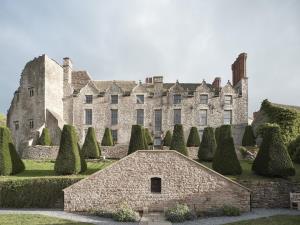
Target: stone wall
(114,152)
(129,180)
(40,152)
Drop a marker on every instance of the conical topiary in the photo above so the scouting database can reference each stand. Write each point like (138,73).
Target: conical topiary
(193,139)
(136,139)
(145,139)
(5,158)
(208,145)
(107,139)
(177,142)
(17,163)
(225,160)
(68,158)
(248,137)
(90,147)
(45,138)
(83,163)
(167,139)
(148,137)
(272,159)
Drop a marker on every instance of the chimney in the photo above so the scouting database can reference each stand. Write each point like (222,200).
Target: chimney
(239,68)
(148,80)
(217,83)
(67,66)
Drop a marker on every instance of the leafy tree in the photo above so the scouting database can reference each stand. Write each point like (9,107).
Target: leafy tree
(272,159)
(292,147)
(208,145)
(248,137)
(168,138)
(177,142)
(45,138)
(107,139)
(193,139)
(225,160)
(148,137)
(136,139)
(90,147)
(68,158)
(2,120)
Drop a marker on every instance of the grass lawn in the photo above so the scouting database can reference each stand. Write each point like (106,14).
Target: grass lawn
(273,220)
(29,219)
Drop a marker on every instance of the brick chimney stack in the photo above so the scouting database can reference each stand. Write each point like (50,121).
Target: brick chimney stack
(217,83)
(239,68)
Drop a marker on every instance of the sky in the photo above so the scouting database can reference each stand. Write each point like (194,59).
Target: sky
(188,40)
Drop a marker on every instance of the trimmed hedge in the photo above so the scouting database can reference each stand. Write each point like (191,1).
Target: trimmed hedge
(68,158)
(107,139)
(45,138)
(148,137)
(83,163)
(248,137)
(34,192)
(217,134)
(208,145)
(225,160)
(272,159)
(136,139)
(292,149)
(177,142)
(90,146)
(167,139)
(193,139)
(145,139)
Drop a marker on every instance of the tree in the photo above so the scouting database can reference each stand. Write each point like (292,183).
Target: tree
(2,120)
(177,142)
(208,145)
(193,139)
(217,134)
(90,147)
(136,139)
(45,138)
(292,147)
(107,139)
(248,137)
(168,138)
(272,159)
(83,163)
(225,160)
(148,137)
(145,139)
(68,158)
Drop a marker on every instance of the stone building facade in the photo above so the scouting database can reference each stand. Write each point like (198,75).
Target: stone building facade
(51,95)
(154,180)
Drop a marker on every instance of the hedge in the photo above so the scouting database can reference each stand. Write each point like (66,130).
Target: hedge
(83,163)
(34,192)
(292,149)
(177,142)
(144,138)
(148,137)
(208,145)
(217,134)
(272,159)
(45,138)
(193,139)
(167,139)
(107,139)
(248,137)
(90,146)
(136,139)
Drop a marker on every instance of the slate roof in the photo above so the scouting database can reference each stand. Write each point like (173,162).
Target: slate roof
(126,86)
(80,79)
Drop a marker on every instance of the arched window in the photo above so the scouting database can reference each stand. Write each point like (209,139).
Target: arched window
(156,185)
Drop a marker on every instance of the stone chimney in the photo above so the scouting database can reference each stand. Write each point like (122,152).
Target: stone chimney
(239,68)
(68,66)
(217,83)
(158,84)
(148,80)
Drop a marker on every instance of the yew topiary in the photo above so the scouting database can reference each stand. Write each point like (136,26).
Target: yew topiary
(248,137)
(167,139)
(82,160)
(225,160)
(148,137)
(177,142)
(145,139)
(90,147)
(107,139)
(193,139)
(45,138)
(208,145)
(217,134)
(68,158)
(272,159)
(136,139)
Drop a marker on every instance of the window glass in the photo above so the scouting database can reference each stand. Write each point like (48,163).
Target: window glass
(89,99)
(114,99)
(203,117)
(203,99)
(88,116)
(140,117)
(228,100)
(114,117)
(177,116)
(158,119)
(227,117)
(140,99)
(177,99)
(114,134)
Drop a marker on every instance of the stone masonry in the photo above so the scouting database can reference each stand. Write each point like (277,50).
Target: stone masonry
(129,181)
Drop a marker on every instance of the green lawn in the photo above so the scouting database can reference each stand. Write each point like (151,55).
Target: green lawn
(29,219)
(273,220)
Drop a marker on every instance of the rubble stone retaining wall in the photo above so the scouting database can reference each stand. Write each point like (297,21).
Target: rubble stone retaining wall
(40,152)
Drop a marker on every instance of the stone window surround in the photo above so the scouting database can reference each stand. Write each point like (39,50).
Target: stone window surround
(88,99)
(114,99)
(140,99)
(202,100)
(31,91)
(88,116)
(228,99)
(177,98)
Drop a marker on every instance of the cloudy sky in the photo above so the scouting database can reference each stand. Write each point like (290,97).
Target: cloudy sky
(188,40)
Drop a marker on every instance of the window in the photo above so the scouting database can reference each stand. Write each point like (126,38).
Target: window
(157,141)
(31,92)
(140,117)
(201,134)
(114,117)
(176,99)
(89,99)
(227,117)
(16,123)
(177,116)
(203,117)
(114,134)
(158,118)
(114,99)
(155,185)
(203,99)
(140,99)
(31,124)
(228,100)
(88,116)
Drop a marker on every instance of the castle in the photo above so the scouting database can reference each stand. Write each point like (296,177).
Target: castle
(51,95)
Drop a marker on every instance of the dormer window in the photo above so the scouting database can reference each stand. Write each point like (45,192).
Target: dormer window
(176,99)
(114,99)
(89,99)
(140,99)
(228,100)
(204,99)
(31,91)
(156,185)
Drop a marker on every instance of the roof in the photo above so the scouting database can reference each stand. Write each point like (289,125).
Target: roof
(161,151)
(80,79)
(126,86)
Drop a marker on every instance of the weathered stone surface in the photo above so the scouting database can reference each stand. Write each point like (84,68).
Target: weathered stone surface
(114,152)
(129,180)
(40,152)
